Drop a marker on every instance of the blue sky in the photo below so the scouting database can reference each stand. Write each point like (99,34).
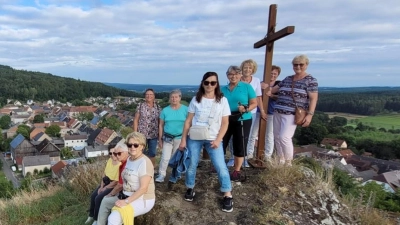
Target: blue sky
(349,43)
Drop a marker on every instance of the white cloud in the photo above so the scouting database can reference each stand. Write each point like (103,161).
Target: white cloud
(176,42)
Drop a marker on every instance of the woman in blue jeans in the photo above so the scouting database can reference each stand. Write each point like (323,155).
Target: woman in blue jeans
(146,122)
(209,110)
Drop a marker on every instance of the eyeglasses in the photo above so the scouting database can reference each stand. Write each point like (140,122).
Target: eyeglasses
(298,64)
(233,74)
(206,83)
(117,153)
(135,145)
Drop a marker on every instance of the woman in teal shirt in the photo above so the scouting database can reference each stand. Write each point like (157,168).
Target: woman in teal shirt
(242,99)
(172,119)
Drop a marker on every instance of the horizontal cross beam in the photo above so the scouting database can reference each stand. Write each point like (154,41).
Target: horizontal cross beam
(275,36)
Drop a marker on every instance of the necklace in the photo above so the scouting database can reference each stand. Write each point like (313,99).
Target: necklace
(133,159)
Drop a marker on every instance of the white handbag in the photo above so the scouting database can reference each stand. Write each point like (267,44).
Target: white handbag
(197,132)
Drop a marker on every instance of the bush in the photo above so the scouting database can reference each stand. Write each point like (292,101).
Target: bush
(345,183)
(35,171)
(46,170)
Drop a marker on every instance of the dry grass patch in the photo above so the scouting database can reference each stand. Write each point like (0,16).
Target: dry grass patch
(85,178)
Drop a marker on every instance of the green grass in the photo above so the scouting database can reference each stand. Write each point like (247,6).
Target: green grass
(63,207)
(383,121)
(387,121)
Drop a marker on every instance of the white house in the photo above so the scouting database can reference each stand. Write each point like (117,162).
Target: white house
(38,162)
(96,151)
(74,141)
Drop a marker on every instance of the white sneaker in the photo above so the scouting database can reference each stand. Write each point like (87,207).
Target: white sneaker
(246,164)
(230,162)
(160,179)
(250,156)
(89,220)
(94,223)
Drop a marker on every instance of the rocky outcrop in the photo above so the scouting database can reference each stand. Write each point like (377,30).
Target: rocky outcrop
(277,195)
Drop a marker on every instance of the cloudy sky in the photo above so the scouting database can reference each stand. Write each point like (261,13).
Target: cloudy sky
(349,43)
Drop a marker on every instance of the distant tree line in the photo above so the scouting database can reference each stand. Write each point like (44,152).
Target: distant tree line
(363,103)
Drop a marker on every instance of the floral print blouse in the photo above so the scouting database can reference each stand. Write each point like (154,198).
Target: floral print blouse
(148,119)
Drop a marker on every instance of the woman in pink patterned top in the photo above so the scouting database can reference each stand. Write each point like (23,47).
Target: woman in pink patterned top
(146,122)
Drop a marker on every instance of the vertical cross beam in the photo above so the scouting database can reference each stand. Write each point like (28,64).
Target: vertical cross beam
(268,41)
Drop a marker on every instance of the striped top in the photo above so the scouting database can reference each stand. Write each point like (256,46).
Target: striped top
(284,103)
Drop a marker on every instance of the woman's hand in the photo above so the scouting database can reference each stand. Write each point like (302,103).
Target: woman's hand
(264,85)
(182,145)
(215,144)
(263,115)
(307,121)
(120,203)
(100,190)
(241,109)
(160,143)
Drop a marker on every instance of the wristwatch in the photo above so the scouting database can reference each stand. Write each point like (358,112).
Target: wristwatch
(126,201)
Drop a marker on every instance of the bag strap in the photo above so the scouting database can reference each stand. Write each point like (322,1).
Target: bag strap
(294,100)
(212,112)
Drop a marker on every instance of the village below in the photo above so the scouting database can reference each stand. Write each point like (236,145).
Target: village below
(346,171)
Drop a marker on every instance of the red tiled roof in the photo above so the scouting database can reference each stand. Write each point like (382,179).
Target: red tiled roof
(36,131)
(346,152)
(104,135)
(332,142)
(57,168)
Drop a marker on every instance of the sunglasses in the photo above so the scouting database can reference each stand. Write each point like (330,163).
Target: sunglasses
(110,153)
(135,145)
(300,64)
(206,83)
(117,153)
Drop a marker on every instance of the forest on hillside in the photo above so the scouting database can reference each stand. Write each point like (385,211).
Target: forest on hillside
(363,103)
(24,85)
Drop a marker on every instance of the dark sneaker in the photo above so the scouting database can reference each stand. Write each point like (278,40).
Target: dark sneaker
(227,205)
(235,176)
(189,195)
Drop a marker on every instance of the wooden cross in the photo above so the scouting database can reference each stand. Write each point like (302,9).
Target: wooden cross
(268,41)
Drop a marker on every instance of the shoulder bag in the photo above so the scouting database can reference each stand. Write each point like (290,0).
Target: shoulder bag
(197,132)
(300,112)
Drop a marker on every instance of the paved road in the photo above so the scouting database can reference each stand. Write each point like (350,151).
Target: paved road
(8,172)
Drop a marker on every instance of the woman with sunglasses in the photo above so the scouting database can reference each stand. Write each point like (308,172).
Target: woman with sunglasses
(300,89)
(146,122)
(109,181)
(242,100)
(211,110)
(138,183)
(172,119)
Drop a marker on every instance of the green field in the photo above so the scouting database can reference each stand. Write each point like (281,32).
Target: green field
(388,121)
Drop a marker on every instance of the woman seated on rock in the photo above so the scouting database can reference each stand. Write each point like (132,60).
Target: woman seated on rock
(110,179)
(138,184)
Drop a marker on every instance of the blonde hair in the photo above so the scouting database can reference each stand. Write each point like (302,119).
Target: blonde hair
(139,137)
(301,58)
(252,63)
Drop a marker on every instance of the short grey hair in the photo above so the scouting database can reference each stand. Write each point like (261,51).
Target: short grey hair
(176,91)
(122,146)
(235,69)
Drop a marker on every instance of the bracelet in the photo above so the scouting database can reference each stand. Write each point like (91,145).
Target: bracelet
(310,113)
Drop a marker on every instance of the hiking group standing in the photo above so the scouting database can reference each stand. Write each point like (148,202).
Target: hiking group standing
(215,117)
